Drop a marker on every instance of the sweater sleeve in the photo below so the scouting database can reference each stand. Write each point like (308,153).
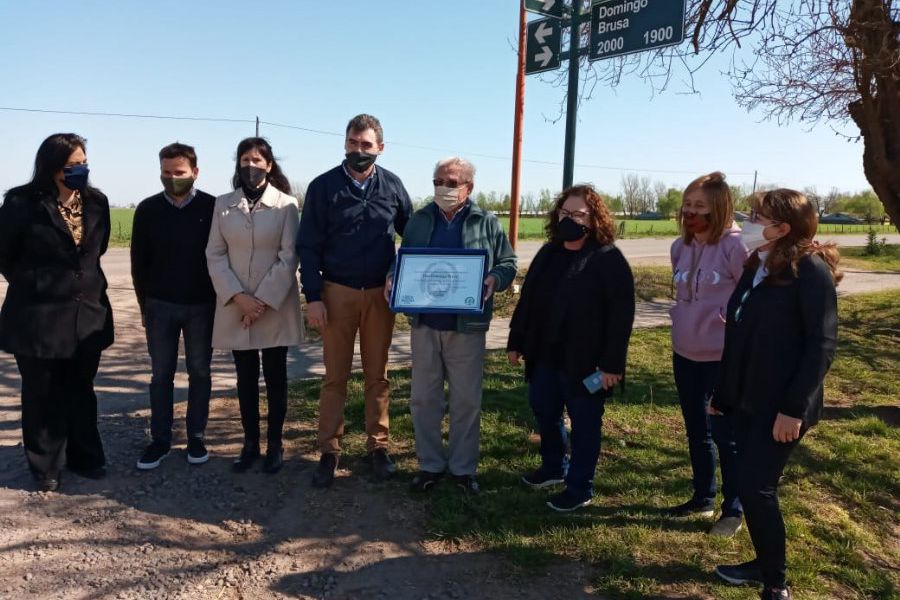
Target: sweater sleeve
(504,258)
(675,253)
(404,209)
(10,229)
(310,242)
(280,278)
(736,258)
(141,253)
(518,324)
(818,314)
(224,280)
(619,289)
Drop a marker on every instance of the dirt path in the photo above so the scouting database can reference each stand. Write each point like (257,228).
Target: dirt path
(203,533)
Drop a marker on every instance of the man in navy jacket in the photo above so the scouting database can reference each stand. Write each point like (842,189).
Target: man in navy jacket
(346,249)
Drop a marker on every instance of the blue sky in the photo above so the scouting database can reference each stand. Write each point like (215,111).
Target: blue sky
(439,75)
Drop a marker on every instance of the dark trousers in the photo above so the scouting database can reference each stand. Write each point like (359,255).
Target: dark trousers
(59,413)
(694,381)
(274,365)
(165,322)
(551,391)
(761,462)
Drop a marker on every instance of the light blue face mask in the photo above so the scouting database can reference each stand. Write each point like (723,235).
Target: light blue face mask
(76,177)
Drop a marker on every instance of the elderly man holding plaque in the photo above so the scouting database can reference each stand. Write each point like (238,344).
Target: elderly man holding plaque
(454,256)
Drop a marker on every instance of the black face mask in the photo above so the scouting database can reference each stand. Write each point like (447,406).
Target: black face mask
(570,231)
(360,161)
(251,176)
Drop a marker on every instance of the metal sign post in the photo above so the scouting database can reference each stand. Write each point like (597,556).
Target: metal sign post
(617,27)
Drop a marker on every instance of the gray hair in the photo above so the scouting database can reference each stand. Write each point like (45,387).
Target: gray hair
(467,168)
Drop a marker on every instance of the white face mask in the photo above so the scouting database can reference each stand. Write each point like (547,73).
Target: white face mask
(447,198)
(753,235)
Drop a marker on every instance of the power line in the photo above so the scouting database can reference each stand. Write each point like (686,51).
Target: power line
(340,134)
(127,115)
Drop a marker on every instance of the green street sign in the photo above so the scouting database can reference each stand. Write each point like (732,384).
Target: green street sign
(543,45)
(625,26)
(551,8)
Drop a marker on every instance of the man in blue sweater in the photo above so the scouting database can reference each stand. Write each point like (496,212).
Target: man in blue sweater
(175,294)
(346,249)
(451,347)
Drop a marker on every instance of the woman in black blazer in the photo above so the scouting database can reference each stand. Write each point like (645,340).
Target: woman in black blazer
(573,321)
(780,338)
(56,318)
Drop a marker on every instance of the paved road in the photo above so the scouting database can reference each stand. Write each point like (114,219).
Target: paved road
(124,371)
(638,251)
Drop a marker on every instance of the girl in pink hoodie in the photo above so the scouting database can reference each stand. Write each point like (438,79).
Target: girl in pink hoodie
(707,262)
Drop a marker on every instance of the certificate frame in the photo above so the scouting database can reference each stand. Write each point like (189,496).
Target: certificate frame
(455,280)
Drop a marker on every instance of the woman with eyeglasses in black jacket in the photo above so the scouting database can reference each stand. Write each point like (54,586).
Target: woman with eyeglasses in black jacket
(780,339)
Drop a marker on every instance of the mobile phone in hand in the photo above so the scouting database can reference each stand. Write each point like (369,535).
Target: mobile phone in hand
(594,382)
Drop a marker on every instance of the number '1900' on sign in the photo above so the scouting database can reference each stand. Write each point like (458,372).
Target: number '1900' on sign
(624,26)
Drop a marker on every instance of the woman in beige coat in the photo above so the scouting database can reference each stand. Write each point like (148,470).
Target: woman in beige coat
(253,266)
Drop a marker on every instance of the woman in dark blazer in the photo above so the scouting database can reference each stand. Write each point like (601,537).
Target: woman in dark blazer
(56,318)
(573,321)
(780,338)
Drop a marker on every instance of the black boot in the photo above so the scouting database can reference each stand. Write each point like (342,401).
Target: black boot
(249,454)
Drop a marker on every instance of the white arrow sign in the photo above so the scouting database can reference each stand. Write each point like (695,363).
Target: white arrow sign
(545,56)
(542,32)
(548,4)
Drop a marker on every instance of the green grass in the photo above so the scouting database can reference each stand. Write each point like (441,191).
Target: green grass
(120,230)
(530,228)
(839,495)
(533,228)
(887,260)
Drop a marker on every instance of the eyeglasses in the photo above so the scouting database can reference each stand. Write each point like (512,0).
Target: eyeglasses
(448,183)
(755,217)
(740,309)
(574,214)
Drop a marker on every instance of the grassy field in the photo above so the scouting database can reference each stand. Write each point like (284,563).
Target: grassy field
(887,260)
(529,227)
(120,230)
(533,228)
(839,494)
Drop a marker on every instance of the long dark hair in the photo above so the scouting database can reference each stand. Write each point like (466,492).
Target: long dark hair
(275,177)
(792,207)
(51,157)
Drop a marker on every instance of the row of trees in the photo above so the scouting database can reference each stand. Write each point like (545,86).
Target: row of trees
(640,194)
(808,61)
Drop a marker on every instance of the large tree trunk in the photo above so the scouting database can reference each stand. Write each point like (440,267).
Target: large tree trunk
(873,37)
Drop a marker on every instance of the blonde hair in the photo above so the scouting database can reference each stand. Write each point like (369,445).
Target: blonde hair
(721,205)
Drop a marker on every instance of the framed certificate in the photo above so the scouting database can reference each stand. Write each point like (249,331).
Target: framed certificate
(445,280)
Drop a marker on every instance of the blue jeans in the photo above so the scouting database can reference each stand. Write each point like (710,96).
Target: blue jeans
(694,381)
(550,391)
(164,323)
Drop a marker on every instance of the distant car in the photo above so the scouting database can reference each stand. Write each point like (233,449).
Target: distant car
(649,216)
(740,217)
(840,219)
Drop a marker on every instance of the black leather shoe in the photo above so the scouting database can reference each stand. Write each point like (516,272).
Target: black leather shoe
(47,483)
(424,481)
(383,466)
(742,574)
(323,476)
(93,473)
(248,456)
(274,460)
